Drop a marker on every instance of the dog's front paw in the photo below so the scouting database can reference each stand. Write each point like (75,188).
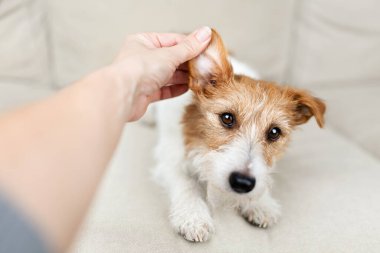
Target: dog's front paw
(193,226)
(196,231)
(262,214)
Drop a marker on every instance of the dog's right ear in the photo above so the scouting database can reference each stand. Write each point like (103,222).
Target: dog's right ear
(211,68)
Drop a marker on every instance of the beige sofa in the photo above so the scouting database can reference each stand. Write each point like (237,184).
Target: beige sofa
(329,181)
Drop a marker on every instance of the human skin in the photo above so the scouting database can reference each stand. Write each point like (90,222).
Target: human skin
(54,151)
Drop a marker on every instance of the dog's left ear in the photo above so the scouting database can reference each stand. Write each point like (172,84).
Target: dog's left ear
(304,106)
(211,68)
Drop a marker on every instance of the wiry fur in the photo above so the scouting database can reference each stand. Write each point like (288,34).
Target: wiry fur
(196,153)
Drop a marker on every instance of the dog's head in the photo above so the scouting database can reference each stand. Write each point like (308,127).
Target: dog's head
(237,127)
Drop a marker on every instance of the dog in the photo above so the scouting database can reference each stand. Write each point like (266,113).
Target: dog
(219,142)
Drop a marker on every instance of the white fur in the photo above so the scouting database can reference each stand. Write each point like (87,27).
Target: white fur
(213,52)
(204,65)
(200,182)
(206,61)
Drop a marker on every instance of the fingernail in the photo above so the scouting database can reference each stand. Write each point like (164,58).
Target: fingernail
(203,34)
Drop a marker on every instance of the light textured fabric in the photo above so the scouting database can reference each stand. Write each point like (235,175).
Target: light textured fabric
(353,111)
(87,34)
(16,94)
(327,186)
(335,42)
(23,43)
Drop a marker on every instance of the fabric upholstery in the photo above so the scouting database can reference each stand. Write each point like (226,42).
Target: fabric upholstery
(23,44)
(85,37)
(16,94)
(335,42)
(354,113)
(327,187)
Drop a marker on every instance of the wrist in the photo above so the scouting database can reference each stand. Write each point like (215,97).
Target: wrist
(112,88)
(126,73)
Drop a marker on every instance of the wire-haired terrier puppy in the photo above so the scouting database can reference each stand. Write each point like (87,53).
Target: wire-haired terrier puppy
(219,142)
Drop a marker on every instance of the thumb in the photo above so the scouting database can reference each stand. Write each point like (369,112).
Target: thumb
(192,45)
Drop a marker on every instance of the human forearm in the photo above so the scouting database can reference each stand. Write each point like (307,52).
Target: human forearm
(54,152)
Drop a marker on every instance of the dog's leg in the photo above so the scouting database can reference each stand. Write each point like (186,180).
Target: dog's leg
(189,213)
(263,212)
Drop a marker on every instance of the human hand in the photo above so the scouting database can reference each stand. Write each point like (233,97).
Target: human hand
(154,64)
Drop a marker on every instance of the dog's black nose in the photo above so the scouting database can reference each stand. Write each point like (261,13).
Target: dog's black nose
(241,183)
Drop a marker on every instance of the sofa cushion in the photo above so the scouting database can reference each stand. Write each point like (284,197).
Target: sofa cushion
(326,185)
(16,94)
(87,34)
(353,111)
(23,44)
(335,42)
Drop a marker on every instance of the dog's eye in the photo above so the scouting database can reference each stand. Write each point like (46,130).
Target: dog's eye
(273,134)
(227,119)
(212,82)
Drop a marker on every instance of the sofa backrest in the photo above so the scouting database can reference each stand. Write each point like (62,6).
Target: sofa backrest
(23,43)
(304,43)
(86,34)
(335,42)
